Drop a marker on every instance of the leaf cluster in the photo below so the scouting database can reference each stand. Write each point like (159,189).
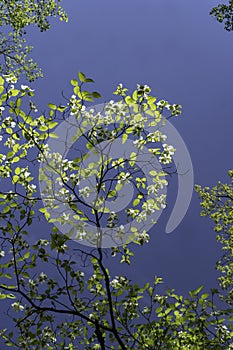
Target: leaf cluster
(15,17)
(224,14)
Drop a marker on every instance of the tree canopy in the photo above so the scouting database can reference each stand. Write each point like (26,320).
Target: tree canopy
(217,204)
(15,17)
(53,303)
(224,14)
(58,289)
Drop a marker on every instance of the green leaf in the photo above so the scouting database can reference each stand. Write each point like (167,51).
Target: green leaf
(74,82)
(133,155)
(124,138)
(53,135)
(52,106)
(151,100)
(52,125)
(129,130)
(104,210)
(89,80)
(76,90)
(15,179)
(150,291)
(17,171)
(43,128)
(118,187)
(61,108)
(195,292)
(86,96)
(9,130)
(26,255)
(7,275)
(135,95)
(205,296)
(14,92)
(11,296)
(129,100)
(96,94)
(18,102)
(136,202)
(25,275)
(89,146)
(112,193)
(82,77)
(11,286)
(16,147)
(6,209)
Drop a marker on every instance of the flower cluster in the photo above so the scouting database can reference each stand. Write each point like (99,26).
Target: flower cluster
(113,109)
(140,142)
(75,105)
(10,78)
(168,152)
(43,242)
(141,216)
(132,212)
(1,109)
(85,192)
(8,122)
(156,136)
(2,253)
(49,335)
(161,201)
(174,108)
(81,231)
(42,277)
(26,88)
(123,178)
(153,189)
(120,90)
(17,306)
(142,237)
(120,232)
(148,207)
(143,90)
(119,282)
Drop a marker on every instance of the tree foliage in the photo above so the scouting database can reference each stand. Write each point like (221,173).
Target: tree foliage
(224,14)
(15,17)
(53,303)
(217,203)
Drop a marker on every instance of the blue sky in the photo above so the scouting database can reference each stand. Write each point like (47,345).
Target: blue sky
(186,57)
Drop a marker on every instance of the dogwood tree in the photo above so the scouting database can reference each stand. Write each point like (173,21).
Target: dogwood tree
(217,204)
(58,284)
(16,17)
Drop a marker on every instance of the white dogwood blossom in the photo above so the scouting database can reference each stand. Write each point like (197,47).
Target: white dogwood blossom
(119,282)
(85,192)
(168,152)
(10,78)
(123,178)
(17,306)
